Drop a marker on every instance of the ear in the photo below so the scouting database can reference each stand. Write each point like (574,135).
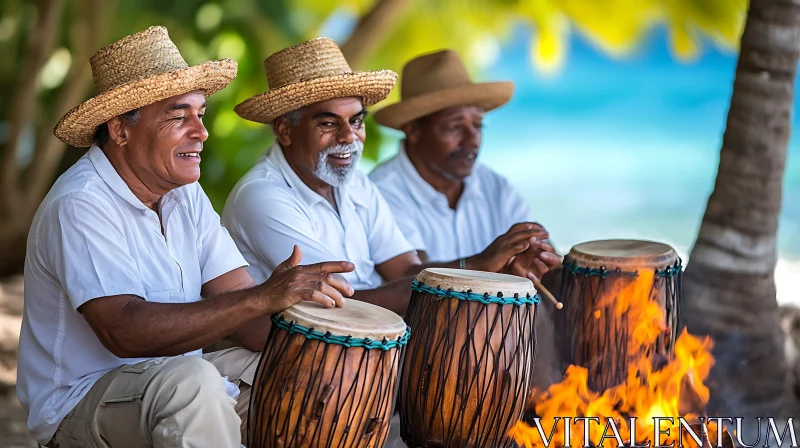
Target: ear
(283,131)
(412,131)
(117,131)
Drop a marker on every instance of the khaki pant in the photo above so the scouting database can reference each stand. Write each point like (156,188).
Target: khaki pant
(165,402)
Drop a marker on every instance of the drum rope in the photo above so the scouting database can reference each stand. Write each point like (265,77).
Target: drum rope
(347,341)
(484,298)
(670,271)
(475,399)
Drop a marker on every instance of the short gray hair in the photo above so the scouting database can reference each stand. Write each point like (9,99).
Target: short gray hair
(101,134)
(292,117)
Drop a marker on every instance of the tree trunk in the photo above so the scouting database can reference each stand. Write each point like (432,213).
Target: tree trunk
(371,29)
(729,288)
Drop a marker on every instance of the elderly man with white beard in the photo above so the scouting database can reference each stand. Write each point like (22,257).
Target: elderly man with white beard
(306,190)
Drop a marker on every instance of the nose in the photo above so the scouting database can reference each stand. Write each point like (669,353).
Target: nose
(198,130)
(346,134)
(471,138)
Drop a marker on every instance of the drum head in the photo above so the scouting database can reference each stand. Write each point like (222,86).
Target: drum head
(357,319)
(624,254)
(479,282)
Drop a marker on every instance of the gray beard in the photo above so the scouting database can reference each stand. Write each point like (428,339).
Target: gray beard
(338,176)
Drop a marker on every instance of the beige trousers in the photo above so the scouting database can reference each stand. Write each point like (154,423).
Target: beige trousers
(164,403)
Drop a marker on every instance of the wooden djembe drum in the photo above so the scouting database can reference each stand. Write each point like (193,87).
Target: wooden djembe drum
(467,369)
(327,377)
(596,328)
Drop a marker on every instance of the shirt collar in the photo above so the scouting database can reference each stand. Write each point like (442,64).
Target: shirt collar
(425,191)
(110,176)
(310,196)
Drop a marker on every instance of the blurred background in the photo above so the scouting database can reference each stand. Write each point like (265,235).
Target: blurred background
(614,129)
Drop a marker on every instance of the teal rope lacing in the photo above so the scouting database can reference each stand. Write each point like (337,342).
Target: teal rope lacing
(600,272)
(347,341)
(484,298)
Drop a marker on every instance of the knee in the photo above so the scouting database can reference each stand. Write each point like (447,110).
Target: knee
(190,377)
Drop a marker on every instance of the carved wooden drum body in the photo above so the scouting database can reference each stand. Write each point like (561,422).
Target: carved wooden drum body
(467,369)
(327,377)
(609,289)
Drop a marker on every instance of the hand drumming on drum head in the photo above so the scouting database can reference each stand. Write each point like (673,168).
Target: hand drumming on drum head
(499,255)
(320,282)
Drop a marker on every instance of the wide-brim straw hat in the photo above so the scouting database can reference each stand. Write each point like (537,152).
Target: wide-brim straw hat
(436,81)
(135,71)
(312,72)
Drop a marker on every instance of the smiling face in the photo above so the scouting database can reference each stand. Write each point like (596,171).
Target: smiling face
(325,141)
(447,142)
(162,149)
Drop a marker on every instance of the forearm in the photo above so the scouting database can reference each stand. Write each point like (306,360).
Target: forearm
(167,329)
(393,295)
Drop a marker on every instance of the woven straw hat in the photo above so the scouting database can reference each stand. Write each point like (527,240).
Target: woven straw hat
(138,70)
(436,81)
(309,73)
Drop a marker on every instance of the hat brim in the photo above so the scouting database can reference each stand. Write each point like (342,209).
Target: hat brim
(371,87)
(77,127)
(489,95)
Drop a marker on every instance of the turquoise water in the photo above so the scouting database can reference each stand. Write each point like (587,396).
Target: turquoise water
(620,148)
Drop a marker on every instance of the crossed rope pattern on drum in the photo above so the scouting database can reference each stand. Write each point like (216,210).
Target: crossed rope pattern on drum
(484,298)
(316,391)
(670,271)
(599,341)
(347,341)
(467,371)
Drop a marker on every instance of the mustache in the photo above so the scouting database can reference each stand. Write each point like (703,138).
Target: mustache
(462,153)
(342,148)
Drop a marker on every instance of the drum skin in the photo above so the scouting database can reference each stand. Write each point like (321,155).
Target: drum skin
(312,393)
(593,335)
(467,371)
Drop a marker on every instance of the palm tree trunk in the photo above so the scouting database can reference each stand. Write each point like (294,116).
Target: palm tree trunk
(729,288)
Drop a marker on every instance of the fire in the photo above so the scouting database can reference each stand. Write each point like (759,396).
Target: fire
(669,391)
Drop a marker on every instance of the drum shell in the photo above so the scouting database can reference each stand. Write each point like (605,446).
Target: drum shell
(458,387)
(314,394)
(592,335)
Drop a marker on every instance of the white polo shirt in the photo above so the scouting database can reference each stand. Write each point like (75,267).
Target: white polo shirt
(488,207)
(91,237)
(270,210)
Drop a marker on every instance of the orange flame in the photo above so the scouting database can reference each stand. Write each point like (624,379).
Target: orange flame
(675,390)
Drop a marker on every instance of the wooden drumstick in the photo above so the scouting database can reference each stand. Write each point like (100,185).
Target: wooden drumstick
(540,288)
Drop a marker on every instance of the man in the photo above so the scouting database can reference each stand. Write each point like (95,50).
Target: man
(452,206)
(119,254)
(306,189)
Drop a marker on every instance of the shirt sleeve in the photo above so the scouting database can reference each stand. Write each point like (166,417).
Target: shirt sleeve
(406,224)
(218,251)
(386,240)
(85,247)
(271,223)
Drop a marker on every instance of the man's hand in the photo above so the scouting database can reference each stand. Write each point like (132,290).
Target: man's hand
(502,251)
(536,261)
(320,282)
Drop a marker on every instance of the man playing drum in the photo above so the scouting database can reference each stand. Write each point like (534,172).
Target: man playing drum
(119,255)
(452,206)
(306,189)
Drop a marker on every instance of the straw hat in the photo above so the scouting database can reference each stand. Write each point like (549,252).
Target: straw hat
(308,73)
(436,81)
(138,70)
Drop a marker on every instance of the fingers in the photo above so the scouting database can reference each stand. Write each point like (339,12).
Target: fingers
(323,299)
(331,292)
(339,283)
(550,259)
(329,267)
(541,231)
